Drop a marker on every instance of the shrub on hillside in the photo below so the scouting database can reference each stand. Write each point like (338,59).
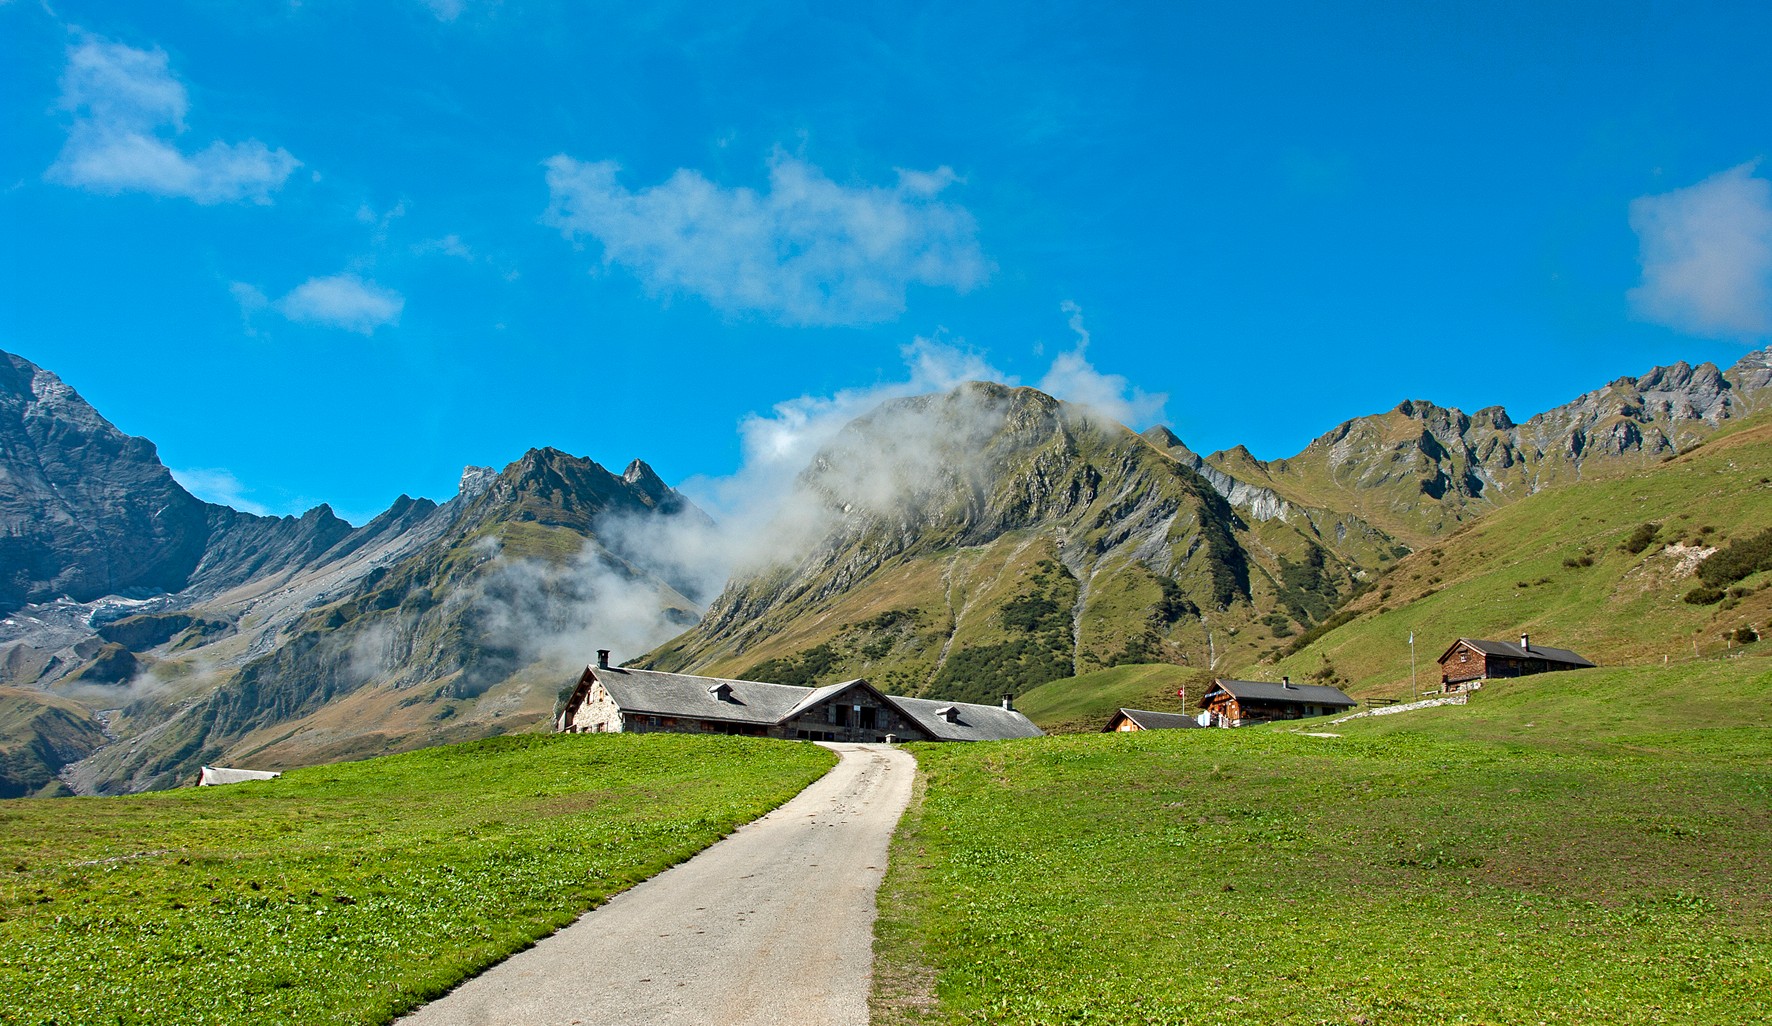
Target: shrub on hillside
(1704,595)
(1639,539)
(1736,560)
(1744,635)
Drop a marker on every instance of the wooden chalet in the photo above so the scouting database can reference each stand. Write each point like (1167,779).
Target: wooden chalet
(1240,703)
(1470,662)
(1143,719)
(615,699)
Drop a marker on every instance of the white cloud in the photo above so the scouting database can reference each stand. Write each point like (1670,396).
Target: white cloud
(214,484)
(128,114)
(251,301)
(1074,379)
(249,297)
(808,252)
(1706,252)
(343,301)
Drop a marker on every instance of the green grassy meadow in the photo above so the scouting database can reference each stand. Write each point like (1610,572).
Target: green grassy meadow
(350,893)
(1584,847)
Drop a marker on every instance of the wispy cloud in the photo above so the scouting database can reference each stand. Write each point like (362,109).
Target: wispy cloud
(129,117)
(214,484)
(448,245)
(342,301)
(806,252)
(1706,252)
(1074,379)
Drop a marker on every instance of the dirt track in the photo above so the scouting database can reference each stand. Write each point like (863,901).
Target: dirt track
(773,925)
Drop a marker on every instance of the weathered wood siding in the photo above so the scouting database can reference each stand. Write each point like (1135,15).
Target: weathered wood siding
(1462,664)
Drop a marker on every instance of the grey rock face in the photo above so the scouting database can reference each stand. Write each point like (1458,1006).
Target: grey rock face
(85,510)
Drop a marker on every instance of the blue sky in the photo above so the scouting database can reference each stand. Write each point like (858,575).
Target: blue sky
(330,251)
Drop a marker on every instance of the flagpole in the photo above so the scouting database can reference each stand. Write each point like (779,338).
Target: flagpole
(1414,686)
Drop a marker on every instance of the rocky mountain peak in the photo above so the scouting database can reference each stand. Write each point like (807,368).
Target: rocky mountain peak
(475,481)
(1162,437)
(1753,372)
(85,510)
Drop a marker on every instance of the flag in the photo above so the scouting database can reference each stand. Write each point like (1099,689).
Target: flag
(1411,637)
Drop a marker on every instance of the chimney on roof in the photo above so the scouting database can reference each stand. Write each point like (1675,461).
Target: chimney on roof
(1525,642)
(1285,681)
(1009,702)
(602,659)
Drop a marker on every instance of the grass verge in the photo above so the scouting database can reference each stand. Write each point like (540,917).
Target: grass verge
(351,893)
(1572,848)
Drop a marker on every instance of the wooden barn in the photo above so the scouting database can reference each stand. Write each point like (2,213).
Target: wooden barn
(1470,662)
(1240,703)
(615,699)
(1143,719)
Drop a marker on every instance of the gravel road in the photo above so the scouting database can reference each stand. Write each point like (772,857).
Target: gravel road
(773,925)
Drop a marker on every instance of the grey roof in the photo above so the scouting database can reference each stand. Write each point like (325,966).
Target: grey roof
(680,694)
(1270,691)
(1514,651)
(754,702)
(1148,720)
(975,722)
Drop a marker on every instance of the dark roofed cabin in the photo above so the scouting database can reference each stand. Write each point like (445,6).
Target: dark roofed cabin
(1470,662)
(1143,719)
(1242,703)
(614,699)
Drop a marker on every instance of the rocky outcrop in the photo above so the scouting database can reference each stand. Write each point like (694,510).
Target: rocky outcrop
(85,510)
(1421,470)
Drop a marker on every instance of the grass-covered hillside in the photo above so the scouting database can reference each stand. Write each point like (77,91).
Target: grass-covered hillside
(989,539)
(354,892)
(1603,568)
(39,733)
(1084,703)
(1586,847)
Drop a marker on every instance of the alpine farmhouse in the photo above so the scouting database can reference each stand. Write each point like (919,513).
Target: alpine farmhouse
(1241,703)
(1469,662)
(615,699)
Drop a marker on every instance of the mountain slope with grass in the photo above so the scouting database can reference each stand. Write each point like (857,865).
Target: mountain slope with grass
(960,536)
(990,539)
(1609,568)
